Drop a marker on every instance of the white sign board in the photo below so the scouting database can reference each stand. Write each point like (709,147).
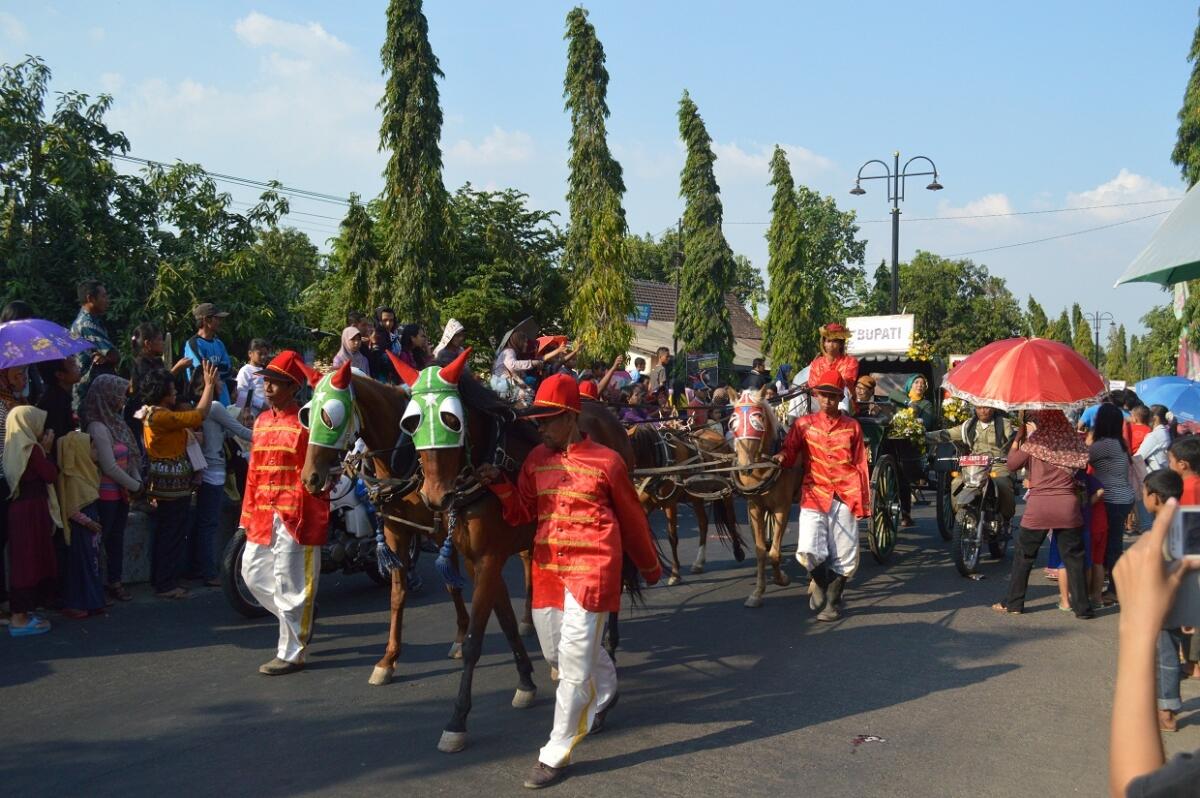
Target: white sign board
(1116,385)
(880,335)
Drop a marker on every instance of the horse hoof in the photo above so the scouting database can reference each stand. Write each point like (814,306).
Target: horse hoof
(698,568)
(553,674)
(674,580)
(525,629)
(381,676)
(753,602)
(523,699)
(783,580)
(452,742)
(455,653)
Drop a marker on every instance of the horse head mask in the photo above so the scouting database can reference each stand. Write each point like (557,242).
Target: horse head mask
(329,417)
(434,419)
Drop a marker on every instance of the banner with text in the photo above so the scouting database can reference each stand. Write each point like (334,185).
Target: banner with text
(880,335)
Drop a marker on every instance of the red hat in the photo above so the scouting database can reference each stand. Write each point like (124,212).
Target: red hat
(834,332)
(289,365)
(557,393)
(588,390)
(829,382)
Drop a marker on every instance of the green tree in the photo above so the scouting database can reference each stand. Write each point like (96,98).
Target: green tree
(788,333)
(1060,329)
(1158,348)
(649,259)
(748,286)
(1036,321)
(1081,335)
(414,197)
(595,254)
(702,323)
(832,260)
(1186,154)
(1116,355)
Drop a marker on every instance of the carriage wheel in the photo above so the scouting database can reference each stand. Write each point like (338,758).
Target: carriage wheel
(885,508)
(945,507)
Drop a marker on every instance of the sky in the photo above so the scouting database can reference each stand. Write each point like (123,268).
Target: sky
(1023,106)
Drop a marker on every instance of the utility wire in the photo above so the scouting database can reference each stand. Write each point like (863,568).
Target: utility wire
(1061,235)
(247,182)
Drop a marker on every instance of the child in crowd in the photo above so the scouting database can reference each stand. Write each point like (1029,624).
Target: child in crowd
(59,377)
(1184,459)
(251,399)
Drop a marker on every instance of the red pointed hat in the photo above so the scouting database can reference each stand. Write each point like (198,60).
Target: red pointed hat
(557,394)
(589,390)
(289,365)
(829,382)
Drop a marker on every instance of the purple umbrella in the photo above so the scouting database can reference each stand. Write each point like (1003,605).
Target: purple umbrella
(35,340)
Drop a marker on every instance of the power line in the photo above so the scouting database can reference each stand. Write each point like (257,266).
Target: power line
(246,182)
(1061,235)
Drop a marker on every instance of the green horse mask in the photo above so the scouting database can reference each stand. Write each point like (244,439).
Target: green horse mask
(330,417)
(434,418)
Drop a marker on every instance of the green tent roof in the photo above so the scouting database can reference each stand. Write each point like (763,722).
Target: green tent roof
(1173,254)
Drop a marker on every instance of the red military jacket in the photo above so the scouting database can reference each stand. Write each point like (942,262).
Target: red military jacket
(835,462)
(588,516)
(846,365)
(273,484)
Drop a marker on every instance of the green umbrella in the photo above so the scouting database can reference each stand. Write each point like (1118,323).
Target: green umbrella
(1173,254)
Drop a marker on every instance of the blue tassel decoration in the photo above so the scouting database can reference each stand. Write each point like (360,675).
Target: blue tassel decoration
(446,566)
(387,559)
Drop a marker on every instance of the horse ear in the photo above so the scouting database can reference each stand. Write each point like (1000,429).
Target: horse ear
(341,377)
(407,373)
(450,373)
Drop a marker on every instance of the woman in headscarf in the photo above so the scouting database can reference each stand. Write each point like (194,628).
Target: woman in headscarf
(1054,452)
(78,489)
(352,350)
(783,378)
(454,338)
(33,506)
(120,459)
(915,395)
(13,384)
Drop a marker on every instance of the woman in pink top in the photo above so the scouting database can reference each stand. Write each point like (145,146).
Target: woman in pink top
(120,461)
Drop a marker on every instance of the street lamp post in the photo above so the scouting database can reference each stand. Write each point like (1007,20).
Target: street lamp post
(1096,319)
(896,177)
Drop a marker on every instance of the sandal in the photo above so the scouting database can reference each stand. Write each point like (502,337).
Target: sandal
(1003,610)
(36,625)
(1064,608)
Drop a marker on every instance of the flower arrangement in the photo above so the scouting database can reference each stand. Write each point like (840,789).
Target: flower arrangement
(906,426)
(955,411)
(919,350)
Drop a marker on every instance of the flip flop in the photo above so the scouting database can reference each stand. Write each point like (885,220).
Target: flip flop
(35,626)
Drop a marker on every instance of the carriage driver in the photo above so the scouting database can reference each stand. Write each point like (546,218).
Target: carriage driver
(985,433)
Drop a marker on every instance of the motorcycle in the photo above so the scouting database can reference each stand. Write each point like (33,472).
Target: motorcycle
(977,518)
(351,547)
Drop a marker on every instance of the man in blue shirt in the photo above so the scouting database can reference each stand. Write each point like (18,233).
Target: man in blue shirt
(89,325)
(1089,415)
(205,345)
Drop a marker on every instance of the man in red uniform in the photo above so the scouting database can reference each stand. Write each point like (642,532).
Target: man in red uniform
(833,356)
(588,518)
(285,525)
(833,495)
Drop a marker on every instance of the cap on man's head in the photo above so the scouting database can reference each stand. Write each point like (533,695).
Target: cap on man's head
(289,366)
(558,393)
(834,332)
(830,382)
(589,389)
(206,309)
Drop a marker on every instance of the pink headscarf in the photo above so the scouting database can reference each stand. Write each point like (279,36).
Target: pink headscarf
(1054,441)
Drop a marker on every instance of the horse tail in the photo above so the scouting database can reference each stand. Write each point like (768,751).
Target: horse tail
(725,521)
(631,582)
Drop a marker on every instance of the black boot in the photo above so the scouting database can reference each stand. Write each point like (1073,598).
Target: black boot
(820,580)
(833,599)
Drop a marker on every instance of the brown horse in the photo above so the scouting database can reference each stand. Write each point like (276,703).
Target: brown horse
(655,448)
(769,490)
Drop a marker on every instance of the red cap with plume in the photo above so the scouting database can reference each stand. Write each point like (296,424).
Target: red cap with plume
(289,365)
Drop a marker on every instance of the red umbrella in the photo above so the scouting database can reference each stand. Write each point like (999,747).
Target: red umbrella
(1026,374)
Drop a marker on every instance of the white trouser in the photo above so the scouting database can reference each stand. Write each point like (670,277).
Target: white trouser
(831,536)
(283,577)
(587,680)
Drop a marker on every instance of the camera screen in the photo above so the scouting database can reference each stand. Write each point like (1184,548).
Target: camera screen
(1191,532)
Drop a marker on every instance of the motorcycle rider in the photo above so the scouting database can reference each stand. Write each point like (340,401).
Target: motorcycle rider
(990,434)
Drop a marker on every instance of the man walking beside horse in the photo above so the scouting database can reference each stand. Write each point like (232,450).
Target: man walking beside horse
(589,520)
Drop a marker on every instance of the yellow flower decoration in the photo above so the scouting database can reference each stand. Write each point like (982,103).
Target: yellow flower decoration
(955,411)
(919,350)
(906,426)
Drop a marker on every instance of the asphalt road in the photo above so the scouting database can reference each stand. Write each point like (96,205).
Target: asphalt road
(163,699)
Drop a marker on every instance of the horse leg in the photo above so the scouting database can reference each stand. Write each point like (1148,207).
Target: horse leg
(454,736)
(671,511)
(731,514)
(526,689)
(612,636)
(758,525)
(525,628)
(385,669)
(460,614)
(702,546)
(780,518)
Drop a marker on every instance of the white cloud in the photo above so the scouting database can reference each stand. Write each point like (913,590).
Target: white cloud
(1126,187)
(735,163)
(97,34)
(310,40)
(995,210)
(498,147)
(12,29)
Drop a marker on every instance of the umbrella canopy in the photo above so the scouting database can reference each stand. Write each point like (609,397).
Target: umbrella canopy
(1181,398)
(1173,254)
(1151,386)
(36,340)
(1026,374)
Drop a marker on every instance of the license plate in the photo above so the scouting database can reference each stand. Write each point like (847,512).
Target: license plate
(974,460)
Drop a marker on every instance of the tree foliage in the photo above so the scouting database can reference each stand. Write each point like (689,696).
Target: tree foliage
(702,323)
(1116,355)
(595,253)
(1186,154)
(1036,322)
(1156,351)
(1060,329)
(787,337)
(414,197)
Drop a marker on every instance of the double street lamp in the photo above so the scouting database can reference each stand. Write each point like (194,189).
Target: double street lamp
(1096,319)
(896,177)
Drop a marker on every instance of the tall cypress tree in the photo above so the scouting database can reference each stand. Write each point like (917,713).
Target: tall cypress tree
(702,321)
(357,257)
(414,197)
(595,252)
(1186,154)
(786,330)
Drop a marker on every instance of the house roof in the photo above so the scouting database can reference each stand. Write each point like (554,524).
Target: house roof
(661,299)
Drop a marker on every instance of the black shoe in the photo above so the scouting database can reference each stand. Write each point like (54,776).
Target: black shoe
(833,600)
(601,715)
(543,776)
